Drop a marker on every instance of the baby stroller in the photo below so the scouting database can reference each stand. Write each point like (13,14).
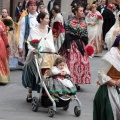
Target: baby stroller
(46,99)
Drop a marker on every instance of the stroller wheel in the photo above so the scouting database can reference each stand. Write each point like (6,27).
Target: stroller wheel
(51,112)
(66,108)
(35,104)
(77,111)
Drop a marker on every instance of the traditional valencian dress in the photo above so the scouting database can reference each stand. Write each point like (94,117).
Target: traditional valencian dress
(95,32)
(13,58)
(57,25)
(30,74)
(107,99)
(76,39)
(4,69)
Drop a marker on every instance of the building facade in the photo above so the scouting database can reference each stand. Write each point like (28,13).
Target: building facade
(65,5)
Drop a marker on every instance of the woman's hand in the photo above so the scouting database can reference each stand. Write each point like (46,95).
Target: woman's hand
(93,23)
(68,50)
(54,38)
(8,51)
(116,31)
(35,51)
(114,82)
(52,51)
(118,83)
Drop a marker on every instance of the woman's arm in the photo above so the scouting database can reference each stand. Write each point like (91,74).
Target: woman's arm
(102,73)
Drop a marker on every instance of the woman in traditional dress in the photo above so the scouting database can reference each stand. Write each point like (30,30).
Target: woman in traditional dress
(43,34)
(4,55)
(107,98)
(113,32)
(73,49)
(13,59)
(94,22)
(57,26)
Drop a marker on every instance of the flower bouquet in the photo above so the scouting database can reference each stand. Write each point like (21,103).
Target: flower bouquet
(89,50)
(99,17)
(8,22)
(55,33)
(35,43)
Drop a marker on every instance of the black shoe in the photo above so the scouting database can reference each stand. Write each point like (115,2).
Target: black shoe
(29,98)
(20,63)
(78,87)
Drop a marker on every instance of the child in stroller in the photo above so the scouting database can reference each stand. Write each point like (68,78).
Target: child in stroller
(60,83)
(56,88)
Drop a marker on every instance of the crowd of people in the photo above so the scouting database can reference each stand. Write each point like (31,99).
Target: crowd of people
(88,30)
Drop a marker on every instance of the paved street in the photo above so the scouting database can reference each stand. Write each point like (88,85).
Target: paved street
(14,107)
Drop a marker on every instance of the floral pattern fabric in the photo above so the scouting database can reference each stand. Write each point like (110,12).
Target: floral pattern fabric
(78,64)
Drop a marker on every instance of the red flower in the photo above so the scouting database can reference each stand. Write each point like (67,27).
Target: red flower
(35,41)
(55,33)
(83,25)
(8,22)
(99,17)
(54,30)
(89,50)
(20,13)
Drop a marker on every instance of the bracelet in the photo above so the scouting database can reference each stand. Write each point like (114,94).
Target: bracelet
(7,46)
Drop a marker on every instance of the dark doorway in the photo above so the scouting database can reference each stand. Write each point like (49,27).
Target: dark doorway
(11,8)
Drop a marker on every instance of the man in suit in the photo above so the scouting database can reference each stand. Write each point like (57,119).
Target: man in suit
(24,5)
(102,7)
(51,4)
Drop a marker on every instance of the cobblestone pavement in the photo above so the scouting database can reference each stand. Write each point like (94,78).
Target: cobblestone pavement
(14,107)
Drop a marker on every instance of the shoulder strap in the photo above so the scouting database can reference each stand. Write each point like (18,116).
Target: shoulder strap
(49,29)
(26,27)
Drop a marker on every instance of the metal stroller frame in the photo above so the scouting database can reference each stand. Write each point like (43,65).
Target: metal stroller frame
(36,102)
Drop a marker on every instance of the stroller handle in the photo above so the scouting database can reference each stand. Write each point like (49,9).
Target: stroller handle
(46,52)
(49,52)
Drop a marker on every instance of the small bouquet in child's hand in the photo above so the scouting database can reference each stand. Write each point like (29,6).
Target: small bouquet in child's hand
(89,50)
(8,22)
(35,43)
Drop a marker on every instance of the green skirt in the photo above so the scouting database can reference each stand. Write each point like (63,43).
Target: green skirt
(102,109)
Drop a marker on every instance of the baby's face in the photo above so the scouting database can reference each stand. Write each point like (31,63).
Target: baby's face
(61,65)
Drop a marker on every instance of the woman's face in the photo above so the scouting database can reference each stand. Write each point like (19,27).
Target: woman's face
(4,13)
(114,7)
(79,13)
(20,4)
(45,21)
(88,7)
(94,9)
(53,12)
(42,8)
